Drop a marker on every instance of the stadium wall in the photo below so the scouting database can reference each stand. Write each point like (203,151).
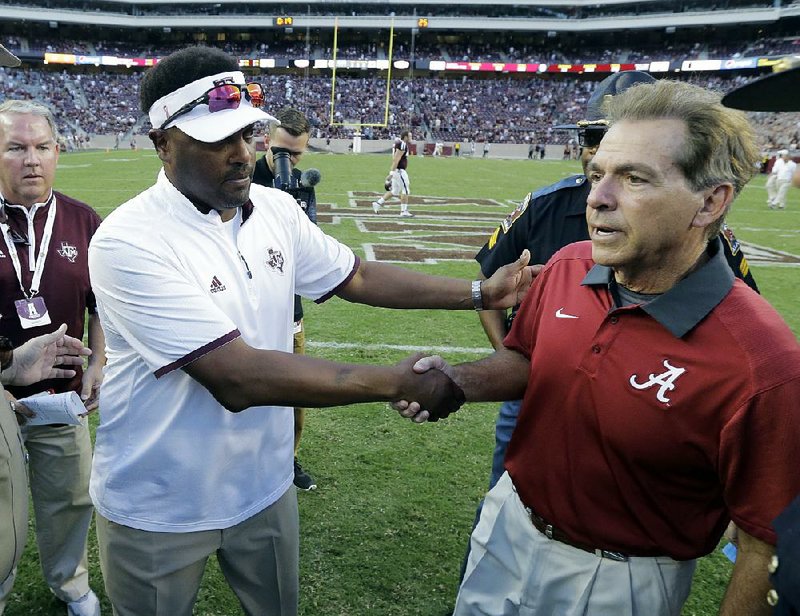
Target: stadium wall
(344,146)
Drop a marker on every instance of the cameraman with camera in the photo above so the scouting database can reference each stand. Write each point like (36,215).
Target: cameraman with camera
(286,143)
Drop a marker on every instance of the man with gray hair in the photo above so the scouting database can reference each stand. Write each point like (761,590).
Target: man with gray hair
(671,408)
(44,281)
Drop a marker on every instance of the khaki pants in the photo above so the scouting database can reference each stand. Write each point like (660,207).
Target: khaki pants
(59,464)
(772,188)
(514,570)
(781,194)
(13,498)
(159,574)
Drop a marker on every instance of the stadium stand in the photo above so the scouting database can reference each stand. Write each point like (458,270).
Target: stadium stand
(501,110)
(445,106)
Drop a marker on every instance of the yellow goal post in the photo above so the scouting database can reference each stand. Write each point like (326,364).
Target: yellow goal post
(385,122)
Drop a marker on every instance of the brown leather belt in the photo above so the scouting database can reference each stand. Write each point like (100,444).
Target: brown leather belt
(551,532)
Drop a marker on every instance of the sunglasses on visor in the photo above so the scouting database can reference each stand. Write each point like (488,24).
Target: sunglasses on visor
(222,97)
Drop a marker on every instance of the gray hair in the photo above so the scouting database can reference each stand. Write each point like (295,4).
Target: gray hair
(33,108)
(720,145)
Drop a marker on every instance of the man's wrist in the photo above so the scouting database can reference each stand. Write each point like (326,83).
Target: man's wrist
(477,296)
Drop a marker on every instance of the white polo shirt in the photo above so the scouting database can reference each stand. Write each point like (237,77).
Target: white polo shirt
(173,284)
(778,167)
(786,171)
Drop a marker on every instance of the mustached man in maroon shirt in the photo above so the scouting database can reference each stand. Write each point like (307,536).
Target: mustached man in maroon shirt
(44,281)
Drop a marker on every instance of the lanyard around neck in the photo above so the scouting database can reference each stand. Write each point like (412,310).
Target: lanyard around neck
(41,258)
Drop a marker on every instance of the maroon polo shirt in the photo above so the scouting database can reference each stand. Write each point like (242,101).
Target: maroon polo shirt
(644,429)
(65,283)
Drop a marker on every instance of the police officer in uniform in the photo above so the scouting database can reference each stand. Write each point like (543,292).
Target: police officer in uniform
(549,219)
(778,92)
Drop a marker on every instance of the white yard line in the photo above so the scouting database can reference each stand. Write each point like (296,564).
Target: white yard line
(398,347)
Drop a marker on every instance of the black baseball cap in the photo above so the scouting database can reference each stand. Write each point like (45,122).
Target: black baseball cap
(776,92)
(7,58)
(612,85)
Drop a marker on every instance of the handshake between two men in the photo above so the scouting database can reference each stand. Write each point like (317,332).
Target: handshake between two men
(500,376)
(431,389)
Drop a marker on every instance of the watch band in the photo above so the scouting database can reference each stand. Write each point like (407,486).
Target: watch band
(477,297)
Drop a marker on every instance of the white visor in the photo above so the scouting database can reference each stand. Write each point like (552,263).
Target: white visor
(200,123)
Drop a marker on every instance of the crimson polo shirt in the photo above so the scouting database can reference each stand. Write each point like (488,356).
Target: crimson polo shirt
(644,429)
(65,282)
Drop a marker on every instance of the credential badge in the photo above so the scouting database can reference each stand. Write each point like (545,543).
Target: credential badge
(665,380)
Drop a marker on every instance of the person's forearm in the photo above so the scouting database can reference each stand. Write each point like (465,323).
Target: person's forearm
(498,377)
(749,584)
(96,340)
(389,286)
(494,324)
(239,377)
(303,381)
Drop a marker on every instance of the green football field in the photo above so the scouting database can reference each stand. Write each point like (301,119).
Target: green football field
(385,532)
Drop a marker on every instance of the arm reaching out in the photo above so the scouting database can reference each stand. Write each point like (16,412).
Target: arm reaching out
(240,376)
(38,358)
(389,286)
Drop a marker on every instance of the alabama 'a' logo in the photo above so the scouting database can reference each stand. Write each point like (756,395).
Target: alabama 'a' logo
(665,381)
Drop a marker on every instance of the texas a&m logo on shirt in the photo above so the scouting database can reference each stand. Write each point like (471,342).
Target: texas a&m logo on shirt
(274,260)
(68,251)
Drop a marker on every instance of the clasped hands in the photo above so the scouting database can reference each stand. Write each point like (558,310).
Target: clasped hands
(428,390)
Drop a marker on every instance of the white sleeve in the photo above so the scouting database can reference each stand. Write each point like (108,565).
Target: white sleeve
(323,263)
(154,305)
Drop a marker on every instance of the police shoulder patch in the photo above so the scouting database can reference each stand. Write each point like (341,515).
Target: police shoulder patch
(518,211)
(727,233)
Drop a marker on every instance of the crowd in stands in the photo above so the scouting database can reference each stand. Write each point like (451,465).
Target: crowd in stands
(426,47)
(498,110)
(83,103)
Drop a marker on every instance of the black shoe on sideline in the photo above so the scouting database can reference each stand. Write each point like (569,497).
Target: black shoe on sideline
(302,480)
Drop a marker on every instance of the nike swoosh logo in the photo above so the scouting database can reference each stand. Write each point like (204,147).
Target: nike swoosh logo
(560,314)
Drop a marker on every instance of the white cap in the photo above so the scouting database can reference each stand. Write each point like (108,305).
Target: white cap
(783,153)
(200,123)
(7,58)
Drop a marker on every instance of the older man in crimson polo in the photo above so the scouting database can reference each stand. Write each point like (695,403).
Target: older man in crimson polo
(660,393)
(44,281)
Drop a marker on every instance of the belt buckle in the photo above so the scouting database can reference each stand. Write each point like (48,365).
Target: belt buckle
(548,531)
(615,556)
